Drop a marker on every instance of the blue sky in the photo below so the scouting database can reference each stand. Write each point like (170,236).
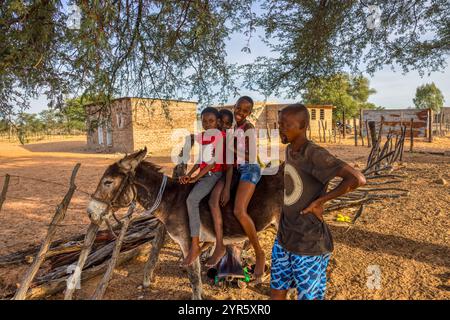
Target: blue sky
(394,89)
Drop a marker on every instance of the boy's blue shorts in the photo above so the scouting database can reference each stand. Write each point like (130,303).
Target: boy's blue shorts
(308,274)
(250,172)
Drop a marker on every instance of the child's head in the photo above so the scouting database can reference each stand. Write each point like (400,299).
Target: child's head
(293,122)
(243,108)
(210,118)
(226,119)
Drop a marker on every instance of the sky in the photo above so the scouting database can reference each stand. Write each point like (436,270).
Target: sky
(394,89)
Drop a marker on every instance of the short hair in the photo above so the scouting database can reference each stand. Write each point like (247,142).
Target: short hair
(296,109)
(226,112)
(212,110)
(245,98)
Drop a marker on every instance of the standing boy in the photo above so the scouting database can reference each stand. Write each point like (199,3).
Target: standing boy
(303,245)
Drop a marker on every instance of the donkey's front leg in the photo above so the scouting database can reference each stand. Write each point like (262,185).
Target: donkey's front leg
(153,257)
(194,274)
(193,271)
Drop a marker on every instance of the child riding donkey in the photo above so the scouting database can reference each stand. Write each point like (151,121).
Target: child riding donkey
(205,180)
(249,175)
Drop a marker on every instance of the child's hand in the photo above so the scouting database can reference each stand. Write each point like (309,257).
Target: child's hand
(224,197)
(184,179)
(192,179)
(316,208)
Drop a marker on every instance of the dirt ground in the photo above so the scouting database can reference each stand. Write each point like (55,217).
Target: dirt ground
(406,239)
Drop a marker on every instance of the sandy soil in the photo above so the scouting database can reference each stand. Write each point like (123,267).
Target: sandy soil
(407,238)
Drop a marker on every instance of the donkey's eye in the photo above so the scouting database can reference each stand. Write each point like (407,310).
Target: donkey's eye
(107,182)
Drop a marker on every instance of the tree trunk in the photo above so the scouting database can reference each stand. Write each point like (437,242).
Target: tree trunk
(344,124)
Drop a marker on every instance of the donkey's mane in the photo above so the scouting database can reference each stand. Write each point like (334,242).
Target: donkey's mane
(150,166)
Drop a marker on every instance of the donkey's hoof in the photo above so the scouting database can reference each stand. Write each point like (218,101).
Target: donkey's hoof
(148,281)
(146,285)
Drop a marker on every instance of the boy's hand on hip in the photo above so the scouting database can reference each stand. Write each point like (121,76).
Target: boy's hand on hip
(316,208)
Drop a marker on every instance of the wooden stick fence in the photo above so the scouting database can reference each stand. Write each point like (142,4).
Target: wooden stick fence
(58,217)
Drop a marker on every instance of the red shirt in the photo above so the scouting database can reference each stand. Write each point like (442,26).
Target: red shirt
(212,140)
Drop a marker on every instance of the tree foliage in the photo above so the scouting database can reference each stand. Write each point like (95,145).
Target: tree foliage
(429,96)
(177,49)
(313,39)
(347,93)
(70,120)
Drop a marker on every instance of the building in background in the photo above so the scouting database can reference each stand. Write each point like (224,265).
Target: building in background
(132,123)
(265,116)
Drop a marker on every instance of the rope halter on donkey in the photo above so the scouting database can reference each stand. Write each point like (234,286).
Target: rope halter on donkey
(132,205)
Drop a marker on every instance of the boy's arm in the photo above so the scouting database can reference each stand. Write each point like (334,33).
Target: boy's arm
(194,168)
(351,179)
(186,179)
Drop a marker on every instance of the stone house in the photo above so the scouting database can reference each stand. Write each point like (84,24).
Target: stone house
(265,116)
(132,123)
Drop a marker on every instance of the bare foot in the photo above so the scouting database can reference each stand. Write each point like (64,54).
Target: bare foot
(260,265)
(194,252)
(218,253)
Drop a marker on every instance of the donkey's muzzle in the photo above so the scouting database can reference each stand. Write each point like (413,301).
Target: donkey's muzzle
(96,211)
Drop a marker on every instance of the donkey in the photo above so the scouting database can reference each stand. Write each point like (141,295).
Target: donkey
(134,178)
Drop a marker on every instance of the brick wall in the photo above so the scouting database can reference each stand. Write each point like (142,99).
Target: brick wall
(269,116)
(320,116)
(155,120)
(135,123)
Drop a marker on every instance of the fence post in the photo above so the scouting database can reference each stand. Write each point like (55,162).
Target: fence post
(367,134)
(430,126)
(101,287)
(355,131)
(4,190)
(361,127)
(411,137)
(373,133)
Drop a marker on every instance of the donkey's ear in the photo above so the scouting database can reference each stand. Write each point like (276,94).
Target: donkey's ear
(131,161)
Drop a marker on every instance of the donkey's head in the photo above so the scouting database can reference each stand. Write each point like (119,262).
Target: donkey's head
(115,189)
